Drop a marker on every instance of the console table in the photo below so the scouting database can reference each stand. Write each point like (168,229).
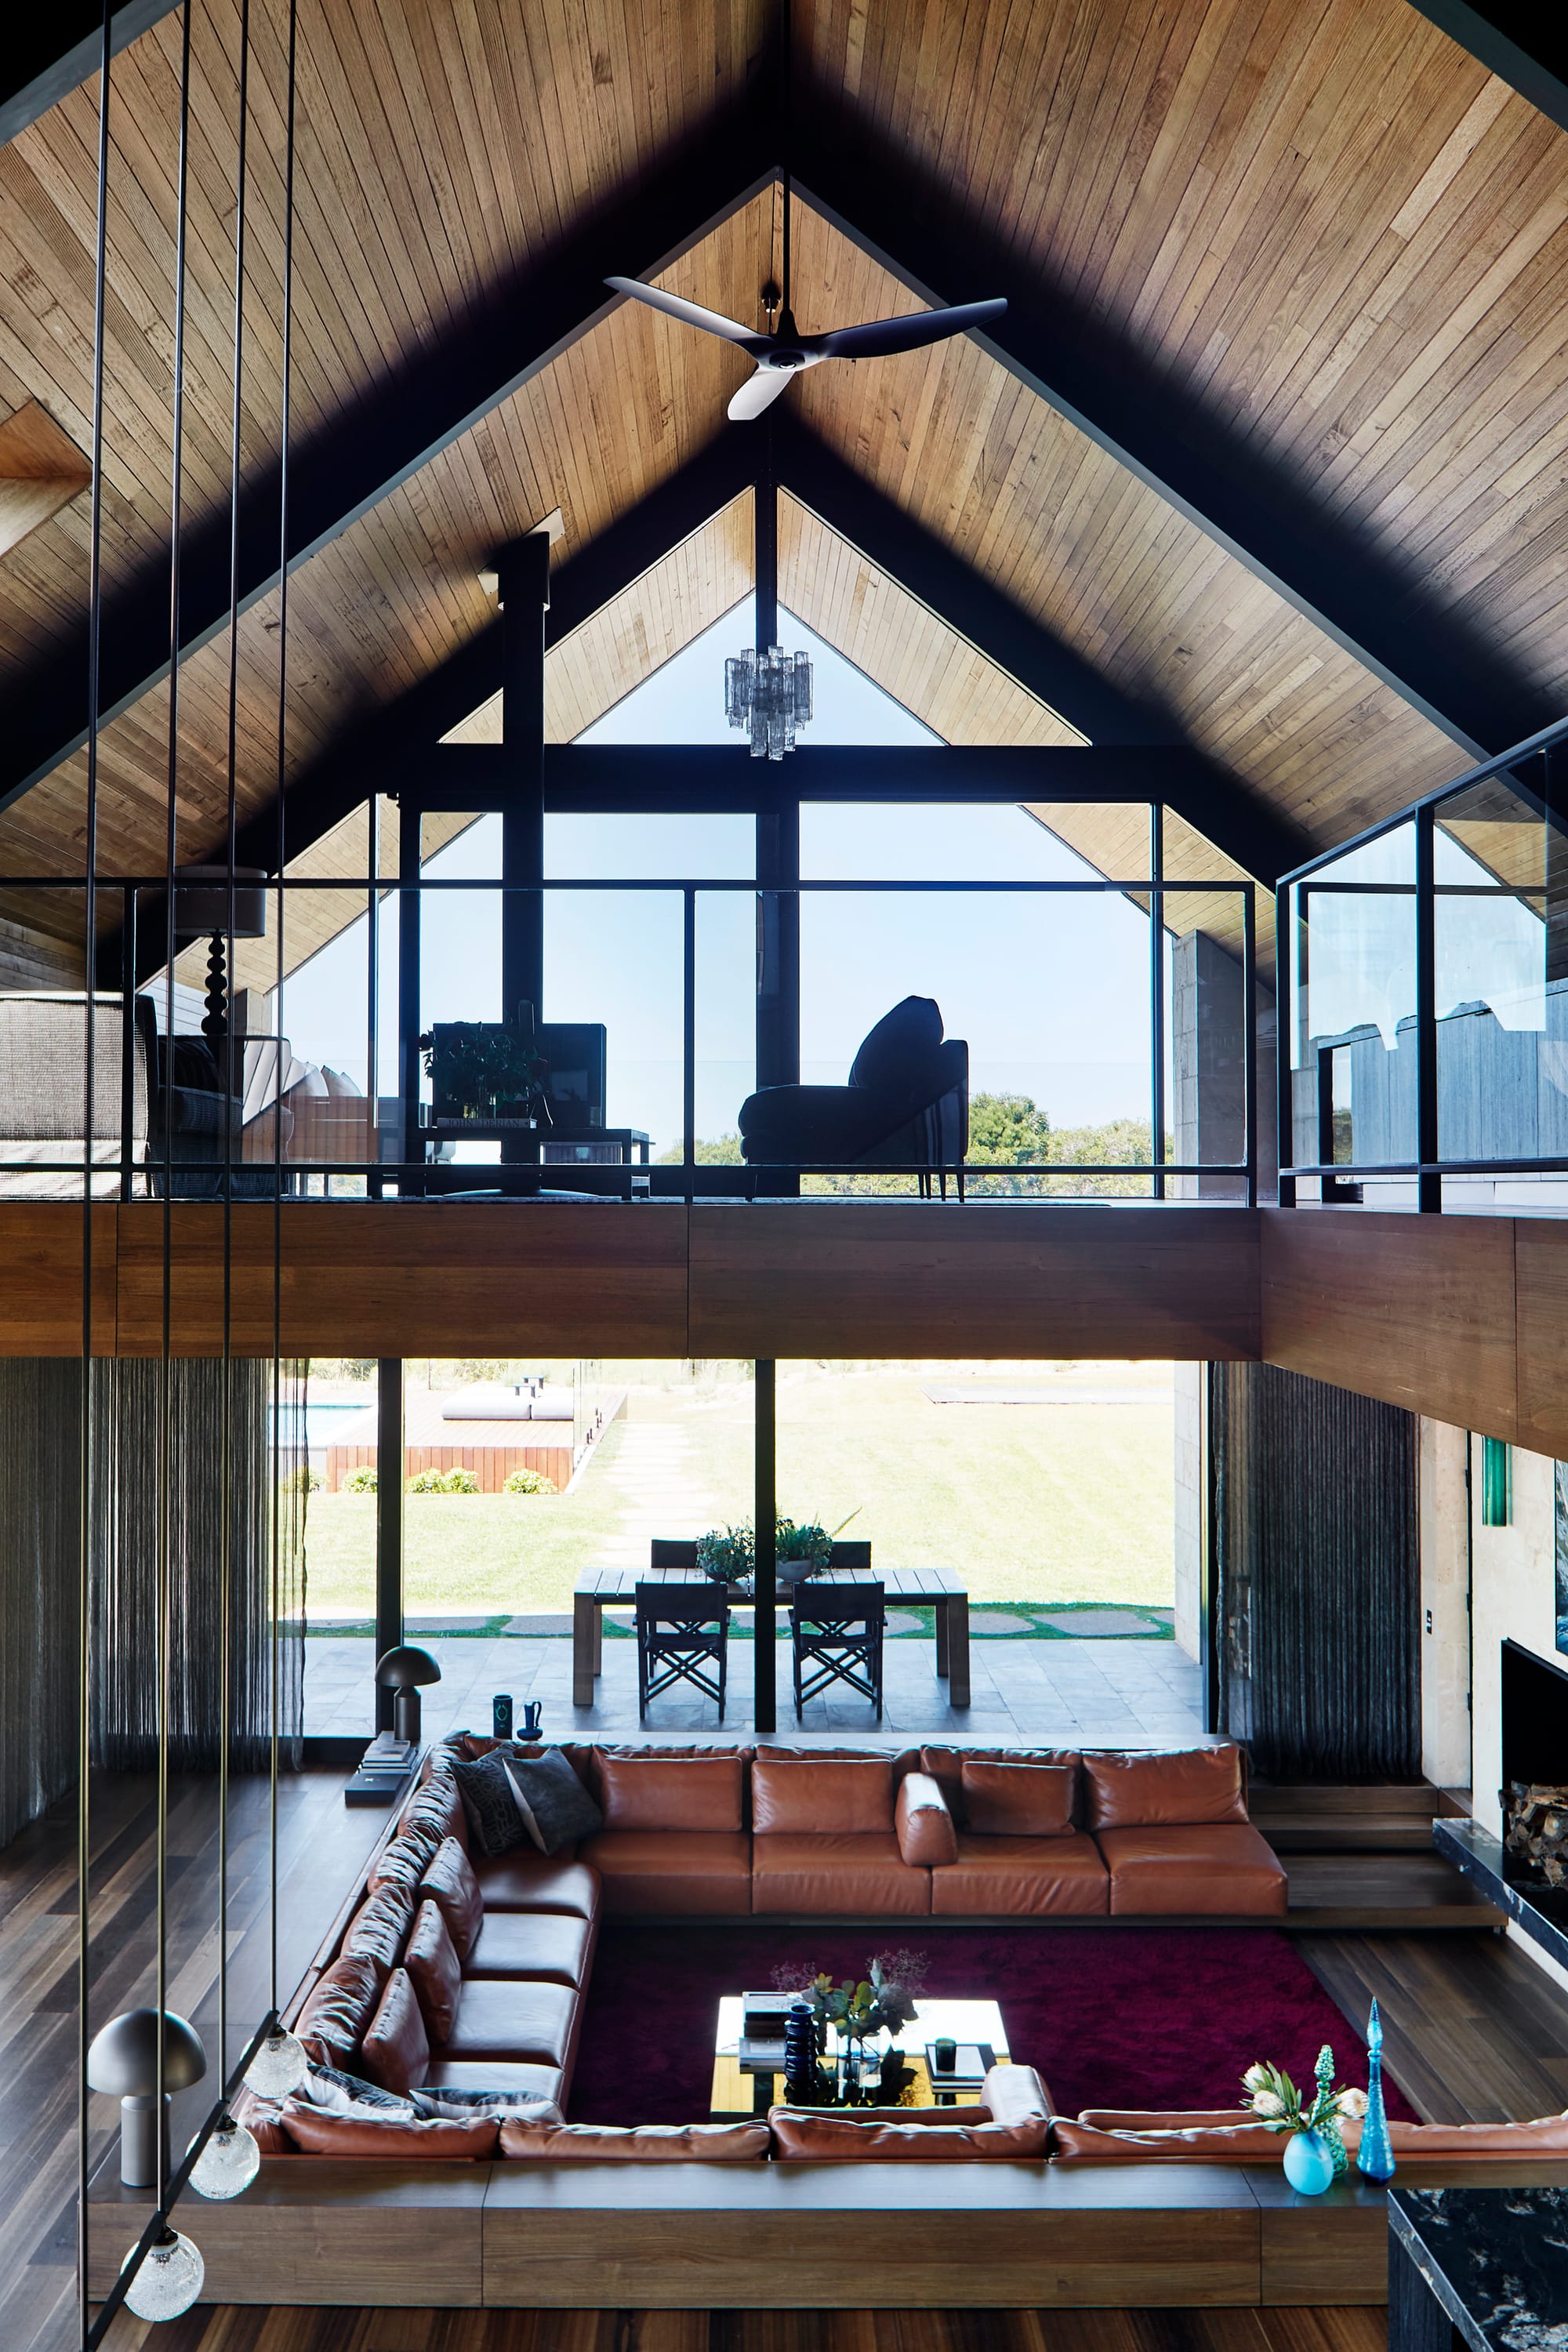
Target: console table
(927,1587)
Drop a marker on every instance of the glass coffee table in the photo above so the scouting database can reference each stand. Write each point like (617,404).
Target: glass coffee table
(750,2085)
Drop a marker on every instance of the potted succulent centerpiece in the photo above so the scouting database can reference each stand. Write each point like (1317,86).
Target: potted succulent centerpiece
(804,1547)
(1314,2146)
(729,1556)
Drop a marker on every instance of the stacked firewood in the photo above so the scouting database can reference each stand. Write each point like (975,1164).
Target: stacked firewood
(1535,1828)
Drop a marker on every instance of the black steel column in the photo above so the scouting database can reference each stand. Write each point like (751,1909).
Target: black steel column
(1428,1188)
(388,1520)
(523,571)
(764,1704)
(410,835)
(1284,1046)
(1157,998)
(778,849)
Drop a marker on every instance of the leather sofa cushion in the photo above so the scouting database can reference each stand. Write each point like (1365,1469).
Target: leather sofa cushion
(1022,1877)
(526,1880)
(553,1948)
(338,2009)
(1208,1870)
(263,2118)
(509,2075)
(837,1875)
(450,1881)
(319,2134)
(1074,2143)
(637,2142)
(395,2052)
(1145,1791)
(844,1796)
(946,1765)
(517,2019)
(405,1861)
(1545,2135)
(923,1822)
(781,1751)
(431,1960)
(656,1792)
(436,1806)
(676,1873)
(379,1928)
(805,2135)
(1018,1800)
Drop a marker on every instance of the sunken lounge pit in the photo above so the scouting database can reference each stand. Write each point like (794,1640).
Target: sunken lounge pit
(460,1992)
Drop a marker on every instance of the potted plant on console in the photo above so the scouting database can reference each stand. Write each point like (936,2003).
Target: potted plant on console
(486,1073)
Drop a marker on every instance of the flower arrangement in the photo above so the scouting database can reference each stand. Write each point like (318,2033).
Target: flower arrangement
(728,1556)
(883,2000)
(1279,2106)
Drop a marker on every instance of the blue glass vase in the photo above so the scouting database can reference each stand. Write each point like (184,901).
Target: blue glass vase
(1375,2155)
(1309,2163)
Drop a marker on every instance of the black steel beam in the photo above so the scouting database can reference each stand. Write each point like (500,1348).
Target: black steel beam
(50,52)
(378,443)
(856,510)
(1181,447)
(1521,41)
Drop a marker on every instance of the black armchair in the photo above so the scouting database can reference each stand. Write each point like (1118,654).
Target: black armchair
(907,1102)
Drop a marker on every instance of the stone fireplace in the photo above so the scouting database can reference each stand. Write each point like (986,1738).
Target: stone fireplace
(1534,1793)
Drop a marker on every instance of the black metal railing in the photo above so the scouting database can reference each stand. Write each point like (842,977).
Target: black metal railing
(143,903)
(1475,1083)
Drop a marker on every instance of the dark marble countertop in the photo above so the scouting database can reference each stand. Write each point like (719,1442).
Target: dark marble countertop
(1496,2259)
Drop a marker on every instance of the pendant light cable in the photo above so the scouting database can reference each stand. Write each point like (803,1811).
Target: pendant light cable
(89,945)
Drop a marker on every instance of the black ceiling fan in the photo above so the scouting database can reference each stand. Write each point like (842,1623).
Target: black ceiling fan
(786,352)
(783,351)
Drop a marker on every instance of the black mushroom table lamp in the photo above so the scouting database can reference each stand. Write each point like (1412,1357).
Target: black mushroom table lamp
(123,2061)
(401,1671)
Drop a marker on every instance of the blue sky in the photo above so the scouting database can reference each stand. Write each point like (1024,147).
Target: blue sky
(1052,993)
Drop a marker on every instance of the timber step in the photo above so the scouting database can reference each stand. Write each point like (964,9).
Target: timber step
(1373,1817)
(1382,1891)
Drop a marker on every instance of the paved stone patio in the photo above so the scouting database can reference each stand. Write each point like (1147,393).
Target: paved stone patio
(1080,1693)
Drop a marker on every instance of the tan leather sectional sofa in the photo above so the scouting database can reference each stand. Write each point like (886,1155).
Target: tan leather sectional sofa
(462,1971)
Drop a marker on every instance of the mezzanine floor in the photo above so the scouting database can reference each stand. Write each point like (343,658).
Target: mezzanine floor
(1476,2031)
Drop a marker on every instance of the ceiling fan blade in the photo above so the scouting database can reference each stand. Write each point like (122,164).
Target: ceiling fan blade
(761,389)
(881,337)
(691,314)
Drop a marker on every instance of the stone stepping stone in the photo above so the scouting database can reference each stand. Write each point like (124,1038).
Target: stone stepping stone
(999,1620)
(541,1623)
(1089,1624)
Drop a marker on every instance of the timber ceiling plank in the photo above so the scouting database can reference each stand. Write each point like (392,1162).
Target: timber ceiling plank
(1308,266)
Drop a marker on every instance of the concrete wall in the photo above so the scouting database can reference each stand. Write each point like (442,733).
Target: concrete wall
(1445,1606)
(1513,1599)
(1190,1500)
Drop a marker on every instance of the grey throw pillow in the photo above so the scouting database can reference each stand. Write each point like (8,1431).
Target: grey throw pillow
(552,1801)
(489,1801)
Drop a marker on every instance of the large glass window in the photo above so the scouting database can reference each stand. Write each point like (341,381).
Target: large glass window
(1354,1045)
(1502,1026)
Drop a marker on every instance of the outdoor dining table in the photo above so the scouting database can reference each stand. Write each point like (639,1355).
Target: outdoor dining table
(925,1587)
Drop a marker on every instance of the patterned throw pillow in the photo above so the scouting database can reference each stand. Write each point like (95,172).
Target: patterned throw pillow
(339,2094)
(489,1801)
(550,1800)
(526,2105)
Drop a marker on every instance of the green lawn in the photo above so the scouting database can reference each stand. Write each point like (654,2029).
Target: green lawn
(1058,1503)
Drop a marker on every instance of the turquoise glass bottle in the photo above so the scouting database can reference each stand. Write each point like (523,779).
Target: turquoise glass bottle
(1376,2156)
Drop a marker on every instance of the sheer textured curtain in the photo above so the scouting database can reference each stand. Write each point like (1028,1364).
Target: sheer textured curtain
(40,1443)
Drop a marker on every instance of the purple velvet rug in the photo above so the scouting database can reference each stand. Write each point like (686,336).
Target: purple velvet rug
(1112,2017)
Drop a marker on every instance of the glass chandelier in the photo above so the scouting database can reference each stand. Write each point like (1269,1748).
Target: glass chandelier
(770,695)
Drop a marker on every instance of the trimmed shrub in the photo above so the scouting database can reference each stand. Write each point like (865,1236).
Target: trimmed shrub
(530,1482)
(361,1481)
(444,1482)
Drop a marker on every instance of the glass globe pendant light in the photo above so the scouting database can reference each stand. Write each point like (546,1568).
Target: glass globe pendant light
(169,2280)
(279,2065)
(229,2162)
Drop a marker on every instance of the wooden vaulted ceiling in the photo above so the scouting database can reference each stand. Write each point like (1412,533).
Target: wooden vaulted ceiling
(1322,231)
